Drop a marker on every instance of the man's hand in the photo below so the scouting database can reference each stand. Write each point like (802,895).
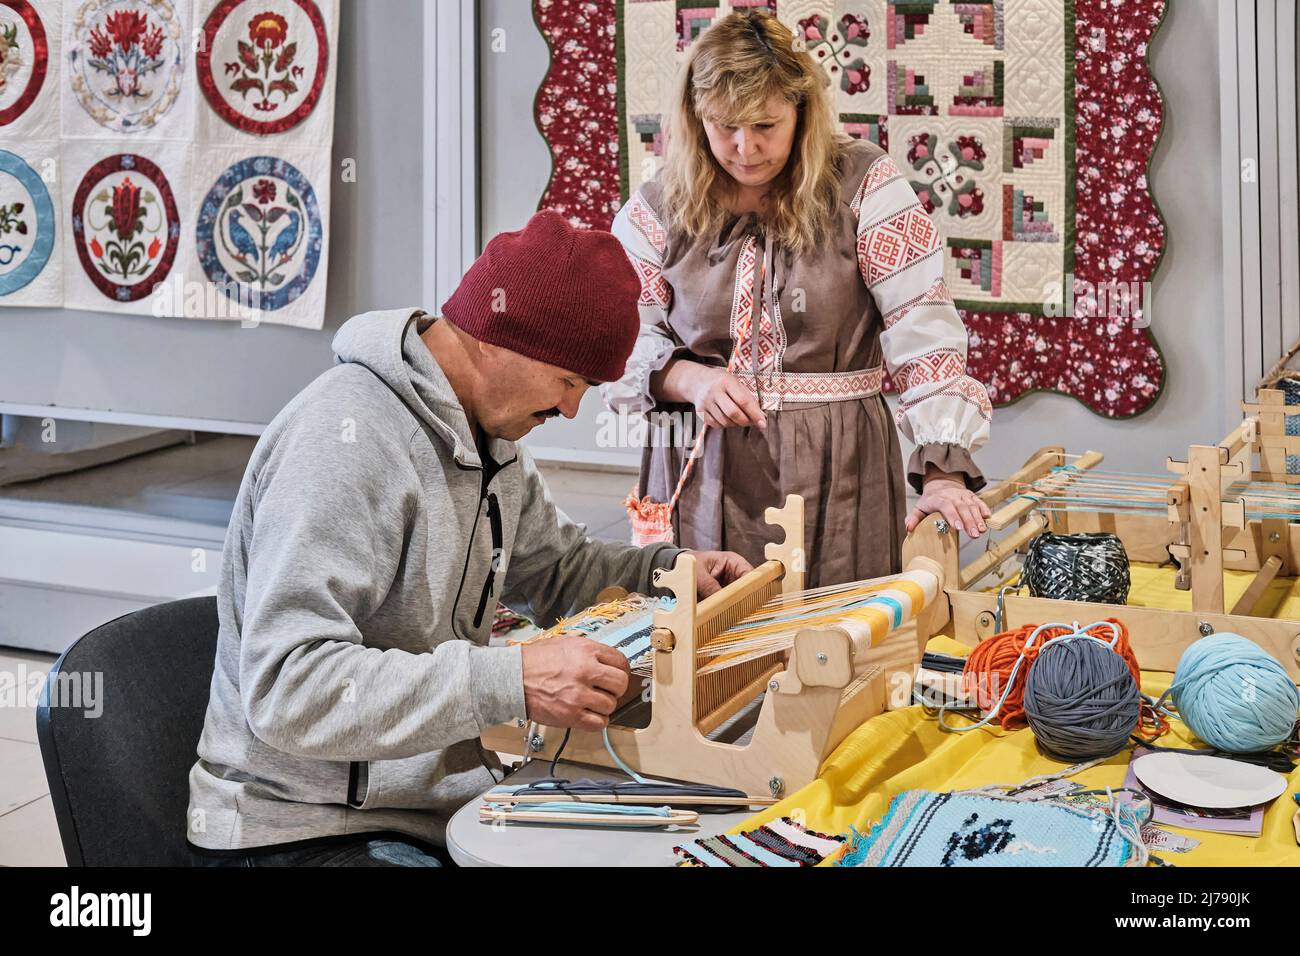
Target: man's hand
(573,682)
(714,570)
(963,509)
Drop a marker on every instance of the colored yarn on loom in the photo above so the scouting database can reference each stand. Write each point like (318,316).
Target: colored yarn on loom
(1234,695)
(1083,706)
(1077,567)
(873,607)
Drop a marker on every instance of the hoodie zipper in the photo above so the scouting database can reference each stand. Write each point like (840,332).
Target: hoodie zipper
(498,543)
(498,546)
(354,784)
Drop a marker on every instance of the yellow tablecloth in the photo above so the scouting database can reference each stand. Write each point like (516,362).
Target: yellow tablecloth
(1153,586)
(905,750)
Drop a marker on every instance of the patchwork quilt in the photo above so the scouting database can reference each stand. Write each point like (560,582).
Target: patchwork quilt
(1025,127)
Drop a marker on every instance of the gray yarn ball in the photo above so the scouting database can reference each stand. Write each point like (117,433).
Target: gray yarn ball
(1081,700)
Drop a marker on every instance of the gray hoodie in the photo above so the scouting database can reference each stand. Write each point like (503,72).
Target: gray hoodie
(353,675)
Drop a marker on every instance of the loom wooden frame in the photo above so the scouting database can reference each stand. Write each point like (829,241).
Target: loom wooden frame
(1217,535)
(831,681)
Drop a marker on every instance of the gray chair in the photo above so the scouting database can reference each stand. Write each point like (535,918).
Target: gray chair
(120,781)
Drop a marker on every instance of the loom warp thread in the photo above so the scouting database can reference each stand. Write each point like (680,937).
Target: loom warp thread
(1077,567)
(1234,695)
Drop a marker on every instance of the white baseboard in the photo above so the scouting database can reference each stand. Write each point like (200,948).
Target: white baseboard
(60,413)
(88,563)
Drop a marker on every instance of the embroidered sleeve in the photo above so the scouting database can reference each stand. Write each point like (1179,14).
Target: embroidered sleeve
(644,240)
(924,343)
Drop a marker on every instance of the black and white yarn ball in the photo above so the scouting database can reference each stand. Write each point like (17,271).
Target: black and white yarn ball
(1089,566)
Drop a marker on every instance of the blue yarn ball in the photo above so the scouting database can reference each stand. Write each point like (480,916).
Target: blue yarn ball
(1234,695)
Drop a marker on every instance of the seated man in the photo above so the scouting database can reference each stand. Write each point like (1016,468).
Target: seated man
(384,513)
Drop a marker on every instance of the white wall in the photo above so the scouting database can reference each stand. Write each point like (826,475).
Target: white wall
(515,165)
(1188,288)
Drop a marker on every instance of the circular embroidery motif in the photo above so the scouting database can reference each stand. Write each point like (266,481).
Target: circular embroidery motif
(26,223)
(259,233)
(24,54)
(262,63)
(126,58)
(126,226)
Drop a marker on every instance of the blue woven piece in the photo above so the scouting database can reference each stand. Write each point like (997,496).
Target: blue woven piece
(629,633)
(962,829)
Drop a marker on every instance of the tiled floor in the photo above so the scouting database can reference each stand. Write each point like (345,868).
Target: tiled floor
(28,835)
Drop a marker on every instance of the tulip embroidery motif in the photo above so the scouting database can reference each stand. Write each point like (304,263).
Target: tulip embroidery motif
(262,64)
(129,216)
(126,226)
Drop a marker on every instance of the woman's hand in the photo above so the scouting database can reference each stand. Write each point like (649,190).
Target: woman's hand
(948,495)
(721,399)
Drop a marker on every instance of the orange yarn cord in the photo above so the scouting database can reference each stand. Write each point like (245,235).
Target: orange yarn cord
(989,666)
(1152,725)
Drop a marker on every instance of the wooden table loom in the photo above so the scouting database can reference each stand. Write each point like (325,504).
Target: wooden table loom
(1229,505)
(823,685)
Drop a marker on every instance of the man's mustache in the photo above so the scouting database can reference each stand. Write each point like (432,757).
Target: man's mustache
(550,413)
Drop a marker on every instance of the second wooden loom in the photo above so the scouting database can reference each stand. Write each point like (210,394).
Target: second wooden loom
(1229,505)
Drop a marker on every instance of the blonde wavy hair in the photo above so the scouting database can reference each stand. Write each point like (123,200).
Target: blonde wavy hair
(733,70)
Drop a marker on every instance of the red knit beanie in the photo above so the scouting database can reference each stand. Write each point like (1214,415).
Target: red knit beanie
(560,295)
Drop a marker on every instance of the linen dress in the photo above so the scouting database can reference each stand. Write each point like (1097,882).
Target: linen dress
(812,337)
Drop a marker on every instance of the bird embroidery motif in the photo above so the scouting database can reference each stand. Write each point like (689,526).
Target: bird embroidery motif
(262,236)
(244,243)
(285,241)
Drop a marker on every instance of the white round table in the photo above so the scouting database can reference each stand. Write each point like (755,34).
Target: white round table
(472,842)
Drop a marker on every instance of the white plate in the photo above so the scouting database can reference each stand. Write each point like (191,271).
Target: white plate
(1214,783)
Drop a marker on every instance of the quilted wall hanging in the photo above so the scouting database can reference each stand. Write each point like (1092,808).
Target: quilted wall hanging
(1026,128)
(167,157)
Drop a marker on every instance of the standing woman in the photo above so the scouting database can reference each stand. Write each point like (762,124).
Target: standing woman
(784,265)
